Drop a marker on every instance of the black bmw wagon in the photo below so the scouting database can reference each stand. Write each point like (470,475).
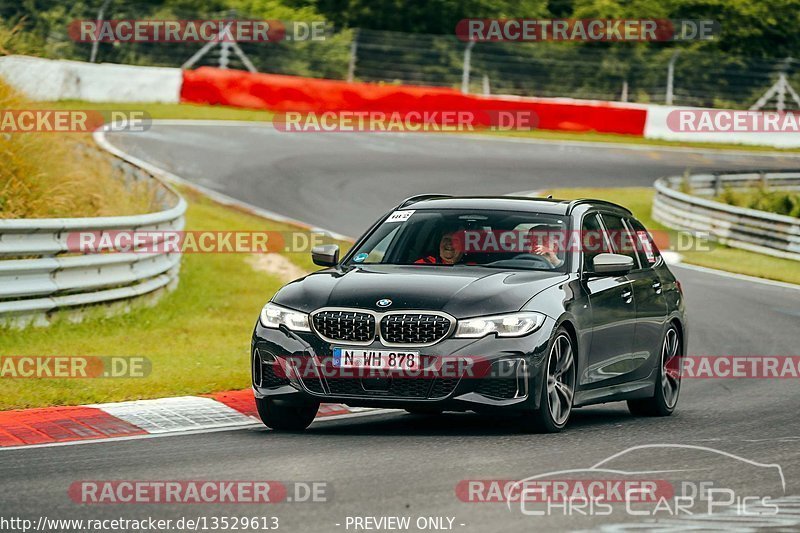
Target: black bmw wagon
(524,306)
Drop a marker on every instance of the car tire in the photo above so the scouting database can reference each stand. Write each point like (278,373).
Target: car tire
(558,386)
(668,380)
(283,415)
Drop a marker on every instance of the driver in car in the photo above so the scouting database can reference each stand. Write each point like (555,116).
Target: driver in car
(451,250)
(542,246)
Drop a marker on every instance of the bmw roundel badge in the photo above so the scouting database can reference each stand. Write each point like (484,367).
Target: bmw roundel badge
(385,302)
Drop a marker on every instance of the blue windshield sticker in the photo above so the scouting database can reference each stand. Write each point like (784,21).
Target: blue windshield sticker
(360,257)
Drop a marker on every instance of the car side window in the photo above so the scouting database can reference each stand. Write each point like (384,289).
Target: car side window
(645,246)
(621,237)
(593,240)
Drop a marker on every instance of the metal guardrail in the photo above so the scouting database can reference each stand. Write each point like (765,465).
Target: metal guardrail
(39,275)
(749,229)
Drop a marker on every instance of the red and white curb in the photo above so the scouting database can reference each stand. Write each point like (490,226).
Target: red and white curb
(50,426)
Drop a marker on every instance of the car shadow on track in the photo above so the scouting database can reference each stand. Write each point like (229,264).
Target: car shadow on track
(460,424)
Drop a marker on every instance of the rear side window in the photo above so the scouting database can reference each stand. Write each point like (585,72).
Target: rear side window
(622,239)
(593,240)
(646,247)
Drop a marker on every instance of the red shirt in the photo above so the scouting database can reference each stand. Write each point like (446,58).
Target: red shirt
(431,260)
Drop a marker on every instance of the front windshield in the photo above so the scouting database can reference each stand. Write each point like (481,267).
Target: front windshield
(451,237)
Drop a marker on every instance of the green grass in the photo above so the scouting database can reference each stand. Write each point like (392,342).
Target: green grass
(640,199)
(196,338)
(208,112)
(166,111)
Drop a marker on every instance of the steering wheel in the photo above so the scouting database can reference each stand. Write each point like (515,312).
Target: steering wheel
(535,258)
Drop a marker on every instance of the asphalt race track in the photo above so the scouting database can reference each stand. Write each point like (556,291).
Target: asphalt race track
(397,464)
(343,181)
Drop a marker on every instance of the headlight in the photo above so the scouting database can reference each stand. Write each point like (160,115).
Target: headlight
(273,316)
(513,325)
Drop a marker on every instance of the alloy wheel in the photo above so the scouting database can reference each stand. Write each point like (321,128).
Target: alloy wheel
(670,368)
(560,379)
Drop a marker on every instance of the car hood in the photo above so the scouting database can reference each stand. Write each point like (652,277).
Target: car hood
(461,291)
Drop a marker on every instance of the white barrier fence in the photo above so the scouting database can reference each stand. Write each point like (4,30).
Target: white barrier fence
(38,274)
(738,227)
(657,126)
(49,79)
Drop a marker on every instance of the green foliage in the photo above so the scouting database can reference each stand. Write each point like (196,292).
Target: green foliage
(763,199)
(758,28)
(413,41)
(431,16)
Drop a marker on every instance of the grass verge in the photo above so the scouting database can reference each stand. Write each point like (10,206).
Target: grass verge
(640,200)
(45,175)
(196,338)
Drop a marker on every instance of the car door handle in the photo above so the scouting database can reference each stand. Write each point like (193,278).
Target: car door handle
(626,295)
(657,287)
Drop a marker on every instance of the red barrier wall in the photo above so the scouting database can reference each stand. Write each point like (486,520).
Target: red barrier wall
(208,85)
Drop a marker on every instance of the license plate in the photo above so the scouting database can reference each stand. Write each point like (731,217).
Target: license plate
(378,359)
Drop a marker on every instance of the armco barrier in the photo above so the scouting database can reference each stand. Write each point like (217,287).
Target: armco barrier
(37,275)
(749,229)
(275,92)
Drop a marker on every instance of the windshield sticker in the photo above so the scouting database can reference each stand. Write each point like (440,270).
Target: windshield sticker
(400,216)
(360,257)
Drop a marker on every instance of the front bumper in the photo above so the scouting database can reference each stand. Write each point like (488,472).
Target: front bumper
(470,374)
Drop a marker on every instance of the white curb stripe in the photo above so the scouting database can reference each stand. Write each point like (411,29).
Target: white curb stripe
(357,412)
(167,415)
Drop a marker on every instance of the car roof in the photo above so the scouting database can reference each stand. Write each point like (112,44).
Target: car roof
(506,203)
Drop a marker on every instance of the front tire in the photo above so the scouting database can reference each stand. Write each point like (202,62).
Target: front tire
(668,380)
(286,415)
(558,390)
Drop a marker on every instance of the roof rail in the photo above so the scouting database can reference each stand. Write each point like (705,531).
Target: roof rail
(575,203)
(419,197)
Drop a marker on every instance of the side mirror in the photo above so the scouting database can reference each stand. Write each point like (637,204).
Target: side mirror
(612,264)
(326,255)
